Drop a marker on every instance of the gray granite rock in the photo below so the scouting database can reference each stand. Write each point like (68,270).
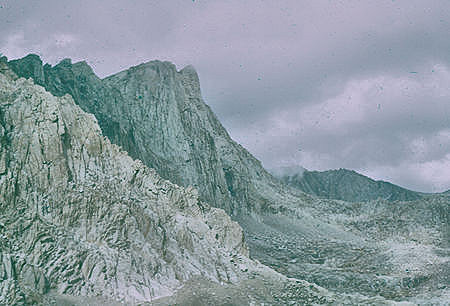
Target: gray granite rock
(80,217)
(157,115)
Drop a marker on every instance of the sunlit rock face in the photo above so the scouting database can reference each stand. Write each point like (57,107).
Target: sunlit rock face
(376,248)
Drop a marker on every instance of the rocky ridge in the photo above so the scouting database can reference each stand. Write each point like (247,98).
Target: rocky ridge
(156,113)
(84,223)
(347,185)
(79,213)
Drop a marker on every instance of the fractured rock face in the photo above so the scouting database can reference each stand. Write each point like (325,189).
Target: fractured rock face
(81,217)
(157,115)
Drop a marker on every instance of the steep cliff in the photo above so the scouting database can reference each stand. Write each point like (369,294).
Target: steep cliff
(157,115)
(347,185)
(79,213)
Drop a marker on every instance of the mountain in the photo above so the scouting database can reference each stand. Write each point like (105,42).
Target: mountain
(83,223)
(157,115)
(380,249)
(346,185)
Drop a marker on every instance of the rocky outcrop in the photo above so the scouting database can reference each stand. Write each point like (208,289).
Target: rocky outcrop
(80,217)
(157,115)
(347,185)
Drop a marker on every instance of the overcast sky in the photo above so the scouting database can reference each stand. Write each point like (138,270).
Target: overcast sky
(363,85)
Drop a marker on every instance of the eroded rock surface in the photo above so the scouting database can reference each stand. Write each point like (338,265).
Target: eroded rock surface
(80,217)
(158,116)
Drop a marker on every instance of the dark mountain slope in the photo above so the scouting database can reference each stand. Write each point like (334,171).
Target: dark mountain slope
(347,185)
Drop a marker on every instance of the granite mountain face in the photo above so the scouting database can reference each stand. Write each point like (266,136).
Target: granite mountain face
(386,250)
(157,115)
(88,218)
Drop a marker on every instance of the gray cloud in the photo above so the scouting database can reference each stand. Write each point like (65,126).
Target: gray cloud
(279,74)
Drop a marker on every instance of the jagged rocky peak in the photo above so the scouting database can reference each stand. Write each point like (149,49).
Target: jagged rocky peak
(81,217)
(158,71)
(148,71)
(80,68)
(157,115)
(30,67)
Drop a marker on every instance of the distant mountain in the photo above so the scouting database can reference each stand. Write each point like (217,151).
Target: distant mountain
(346,185)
